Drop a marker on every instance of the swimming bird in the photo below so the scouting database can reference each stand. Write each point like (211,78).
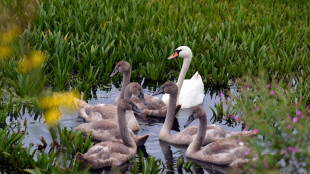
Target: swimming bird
(113,153)
(191,91)
(222,152)
(108,130)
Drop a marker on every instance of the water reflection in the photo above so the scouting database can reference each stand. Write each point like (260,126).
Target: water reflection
(203,167)
(170,161)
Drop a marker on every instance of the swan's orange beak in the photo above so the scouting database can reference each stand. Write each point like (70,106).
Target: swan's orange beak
(174,55)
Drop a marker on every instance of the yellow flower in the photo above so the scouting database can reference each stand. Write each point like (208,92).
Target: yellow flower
(5,52)
(10,35)
(69,99)
(35,60)
(52,116)
(58,99)
(52,103)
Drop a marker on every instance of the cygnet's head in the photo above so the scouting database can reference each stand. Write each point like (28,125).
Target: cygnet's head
(167,88)
(122,67)
(127,104)
(135,89)
(183,52)
(196,113)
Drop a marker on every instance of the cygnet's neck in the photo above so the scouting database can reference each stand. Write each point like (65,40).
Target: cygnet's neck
(126,81)
(198,141)
(122,121)
(165,130)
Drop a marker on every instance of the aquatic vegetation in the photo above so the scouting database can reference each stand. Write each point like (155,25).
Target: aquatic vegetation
(23,84)
(228,39)
(29,160)
(74,142)
(282,118)
(150,165)
(12,151)
(223,112)
(186,165)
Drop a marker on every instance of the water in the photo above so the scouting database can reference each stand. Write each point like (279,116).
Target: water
(167,153)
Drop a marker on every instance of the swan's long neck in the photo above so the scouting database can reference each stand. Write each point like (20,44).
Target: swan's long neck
(126,80)
(197,142)
(165,130)
(127,94)
(122,121)
(185,66)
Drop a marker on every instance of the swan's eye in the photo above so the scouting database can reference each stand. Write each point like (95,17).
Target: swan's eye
(178,51)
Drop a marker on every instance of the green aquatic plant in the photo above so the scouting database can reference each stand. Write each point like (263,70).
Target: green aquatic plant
(223,111)
(22,84)
(30,160)
(184,165)
(150,165)
(235,38)
(74,142)
(12,151)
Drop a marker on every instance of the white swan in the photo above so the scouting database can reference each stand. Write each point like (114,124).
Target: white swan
(192,90)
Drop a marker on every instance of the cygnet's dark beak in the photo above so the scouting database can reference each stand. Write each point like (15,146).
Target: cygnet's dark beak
(141,97)
(115,71)
(159,91)
(190,119)
(136,109)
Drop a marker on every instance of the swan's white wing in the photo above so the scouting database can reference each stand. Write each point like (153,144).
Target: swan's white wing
(165,98)
(192,92)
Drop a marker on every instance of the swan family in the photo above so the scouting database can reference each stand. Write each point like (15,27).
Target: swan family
(114,125)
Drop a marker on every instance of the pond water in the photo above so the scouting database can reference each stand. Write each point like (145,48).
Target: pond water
(164,151)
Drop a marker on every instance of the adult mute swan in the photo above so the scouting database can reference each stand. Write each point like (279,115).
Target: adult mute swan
(113,153)
(191,91)
(186,136)
(222,152)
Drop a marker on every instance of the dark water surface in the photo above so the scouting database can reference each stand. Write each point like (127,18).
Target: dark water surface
(160,150)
